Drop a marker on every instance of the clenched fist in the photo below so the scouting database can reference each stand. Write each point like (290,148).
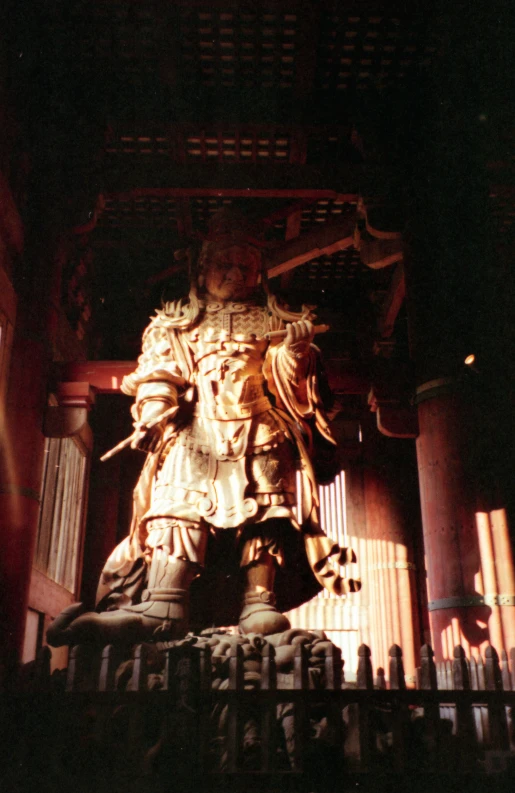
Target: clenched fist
(299,336)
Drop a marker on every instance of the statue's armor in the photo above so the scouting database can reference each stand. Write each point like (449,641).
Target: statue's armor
(230,460)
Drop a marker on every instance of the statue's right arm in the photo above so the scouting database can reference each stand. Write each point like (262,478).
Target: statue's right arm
(155,384)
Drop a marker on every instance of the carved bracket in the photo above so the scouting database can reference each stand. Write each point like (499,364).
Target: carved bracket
(70,416)
(395,417)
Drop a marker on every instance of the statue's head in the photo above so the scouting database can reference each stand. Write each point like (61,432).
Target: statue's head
(230,265)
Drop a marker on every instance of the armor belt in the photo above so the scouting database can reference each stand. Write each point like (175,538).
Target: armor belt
(233,412)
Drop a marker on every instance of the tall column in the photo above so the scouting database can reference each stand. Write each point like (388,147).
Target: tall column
(453,285)
(392,522)
(22,439)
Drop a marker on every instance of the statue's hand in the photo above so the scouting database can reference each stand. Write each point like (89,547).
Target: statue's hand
(146,439)
(299,336)
(148,431)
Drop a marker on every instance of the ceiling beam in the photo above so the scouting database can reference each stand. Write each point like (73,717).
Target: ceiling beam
(392,302)
(330,238)
(126,176)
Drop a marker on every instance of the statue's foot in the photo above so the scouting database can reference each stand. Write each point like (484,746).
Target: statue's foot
(259,615)
(148,621)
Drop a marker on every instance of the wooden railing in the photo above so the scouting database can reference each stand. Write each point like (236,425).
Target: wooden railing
(197,718)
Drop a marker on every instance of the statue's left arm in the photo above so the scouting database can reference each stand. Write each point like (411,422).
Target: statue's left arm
(294,375)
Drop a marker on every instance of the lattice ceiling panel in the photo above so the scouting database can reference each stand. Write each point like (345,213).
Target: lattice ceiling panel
(324,210)
(239,48)
(358,51)
(328,272)
(238,145)
(139,213)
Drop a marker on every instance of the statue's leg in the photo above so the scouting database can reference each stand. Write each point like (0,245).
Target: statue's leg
(175,550)
(260,556)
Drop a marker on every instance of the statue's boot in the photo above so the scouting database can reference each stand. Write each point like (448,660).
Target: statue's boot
(259,614)
(162,614)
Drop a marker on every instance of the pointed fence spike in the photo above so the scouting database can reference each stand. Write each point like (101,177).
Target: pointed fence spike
(236,667)
(428,671)
(505,671)
(300,668)
(396,669)
(481,680)
(72,673)
(460,672)
(493,676)
(380,679)
(365,675)
(333,668)
(205,668)
(474,681)
(139,670)
(512,668)
(449,679)
(268,668)
(42,670)
(106,678)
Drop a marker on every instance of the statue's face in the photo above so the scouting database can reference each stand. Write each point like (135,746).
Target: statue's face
(232,273)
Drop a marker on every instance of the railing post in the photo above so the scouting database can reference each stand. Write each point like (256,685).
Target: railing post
(233,721)
(366,733)
(42,669)
(301,724)
(428,682)
(75,671)
(496,712)
(333,667)
(397,679)
(268,711)
(400,714)
(427,668)
(465,722)
(106,678)
(139,669)
(505,671)
(365,675)
(380,679)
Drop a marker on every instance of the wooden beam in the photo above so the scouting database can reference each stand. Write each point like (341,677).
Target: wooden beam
(392,302)
(299,193)
(328,239)
(104,376)
(292,232)
(124,175)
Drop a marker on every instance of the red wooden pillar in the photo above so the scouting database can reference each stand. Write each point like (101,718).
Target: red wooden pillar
(391,519)
(22,441)
(20,482)
(468,556)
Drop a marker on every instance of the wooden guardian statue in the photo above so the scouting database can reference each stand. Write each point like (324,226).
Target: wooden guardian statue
(225,401)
